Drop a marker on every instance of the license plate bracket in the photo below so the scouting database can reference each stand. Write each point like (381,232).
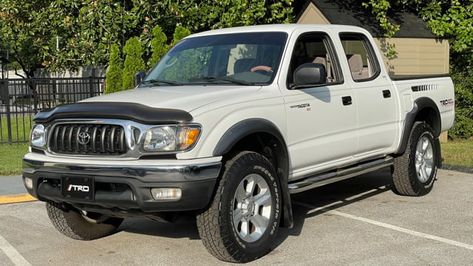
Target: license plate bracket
(78,187)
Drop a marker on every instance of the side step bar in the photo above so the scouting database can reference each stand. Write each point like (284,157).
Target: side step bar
(325,178)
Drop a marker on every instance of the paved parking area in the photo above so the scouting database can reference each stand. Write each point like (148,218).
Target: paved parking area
(11,185)
(357,222)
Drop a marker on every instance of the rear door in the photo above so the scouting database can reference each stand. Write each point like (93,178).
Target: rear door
(321,119)
(374,94)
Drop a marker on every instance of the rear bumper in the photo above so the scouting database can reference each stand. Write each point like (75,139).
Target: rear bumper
(125,186)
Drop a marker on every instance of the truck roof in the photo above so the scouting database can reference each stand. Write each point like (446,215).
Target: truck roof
(288,28)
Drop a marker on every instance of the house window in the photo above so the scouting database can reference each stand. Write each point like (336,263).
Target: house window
(360,56)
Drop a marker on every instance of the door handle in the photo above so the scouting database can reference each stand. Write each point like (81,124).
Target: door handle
(346,100)
(387,94)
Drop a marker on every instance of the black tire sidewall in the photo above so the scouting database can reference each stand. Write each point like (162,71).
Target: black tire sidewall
(251,163)
(420,130)
(72,224)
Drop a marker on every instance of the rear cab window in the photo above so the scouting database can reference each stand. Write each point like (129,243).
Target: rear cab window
(360,56)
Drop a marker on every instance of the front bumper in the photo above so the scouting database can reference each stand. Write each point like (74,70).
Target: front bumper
(125,186)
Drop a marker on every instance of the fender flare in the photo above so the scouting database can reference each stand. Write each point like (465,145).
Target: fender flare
(419,105)
(242,129)
(250,126)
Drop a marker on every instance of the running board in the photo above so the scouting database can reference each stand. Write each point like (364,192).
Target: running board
(325,178)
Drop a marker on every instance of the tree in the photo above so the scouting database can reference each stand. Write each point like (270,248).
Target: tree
(159,46)
(134,63)
(62,35)
(25,33)
(86,30)
(180,33)
(114,80)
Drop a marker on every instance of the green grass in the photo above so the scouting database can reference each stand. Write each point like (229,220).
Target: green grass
(458,153)
(11,158)
(20,127)
(455,153)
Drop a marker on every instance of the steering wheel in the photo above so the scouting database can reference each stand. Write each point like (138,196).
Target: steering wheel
(265,70)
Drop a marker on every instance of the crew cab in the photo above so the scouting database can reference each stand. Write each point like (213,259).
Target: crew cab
(231,123)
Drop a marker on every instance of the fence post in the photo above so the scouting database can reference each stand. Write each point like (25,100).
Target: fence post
(55,93)
(91,83)
(5,96)
(32,84)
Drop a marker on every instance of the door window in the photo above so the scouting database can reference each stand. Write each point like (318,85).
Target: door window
(315,48)
(360,56)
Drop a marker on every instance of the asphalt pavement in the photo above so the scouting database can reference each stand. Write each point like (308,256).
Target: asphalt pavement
(354,222)
(11,185)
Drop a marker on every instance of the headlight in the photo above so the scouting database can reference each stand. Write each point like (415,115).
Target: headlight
(170,138)
(38,136)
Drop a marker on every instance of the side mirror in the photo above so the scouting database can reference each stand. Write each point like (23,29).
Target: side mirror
(139,77)
(309,74)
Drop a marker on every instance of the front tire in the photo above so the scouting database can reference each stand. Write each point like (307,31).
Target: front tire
(77,226)
(414,172)
(241,223)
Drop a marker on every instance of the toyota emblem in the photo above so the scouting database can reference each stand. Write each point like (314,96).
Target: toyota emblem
(83,138)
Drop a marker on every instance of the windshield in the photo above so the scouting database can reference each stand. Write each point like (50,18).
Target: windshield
(239,58)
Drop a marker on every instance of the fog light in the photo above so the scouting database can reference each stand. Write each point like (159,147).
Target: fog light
(166,193)
(28,182)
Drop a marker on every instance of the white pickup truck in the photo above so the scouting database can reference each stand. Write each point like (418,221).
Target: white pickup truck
(228,125)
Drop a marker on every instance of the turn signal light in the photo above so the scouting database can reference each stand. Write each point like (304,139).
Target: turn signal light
(188,136)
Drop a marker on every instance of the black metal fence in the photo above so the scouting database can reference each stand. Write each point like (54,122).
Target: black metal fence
(21,99)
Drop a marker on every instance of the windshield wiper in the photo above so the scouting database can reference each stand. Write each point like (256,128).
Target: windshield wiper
(161,81)
(227,79)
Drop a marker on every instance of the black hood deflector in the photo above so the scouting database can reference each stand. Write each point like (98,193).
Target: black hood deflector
(115,110)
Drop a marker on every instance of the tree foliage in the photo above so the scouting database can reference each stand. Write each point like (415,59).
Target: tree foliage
(25,33)
(463,127)
(180,33)
(114,80)
(86,29)
(159,45)
(134,63)
(199,15)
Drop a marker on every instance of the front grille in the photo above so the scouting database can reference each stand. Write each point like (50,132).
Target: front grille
(88,139)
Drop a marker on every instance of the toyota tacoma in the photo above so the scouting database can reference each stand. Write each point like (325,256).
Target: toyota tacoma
(228,125)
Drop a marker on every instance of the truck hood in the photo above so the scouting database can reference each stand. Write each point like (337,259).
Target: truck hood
(187,98)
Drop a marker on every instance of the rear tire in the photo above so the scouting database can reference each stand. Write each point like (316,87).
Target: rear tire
(242,221)
(73,224)
(414,172)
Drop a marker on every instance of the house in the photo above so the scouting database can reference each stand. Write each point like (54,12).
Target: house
(419,52)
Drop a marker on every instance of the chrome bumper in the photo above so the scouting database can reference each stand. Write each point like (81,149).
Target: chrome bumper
(145,173)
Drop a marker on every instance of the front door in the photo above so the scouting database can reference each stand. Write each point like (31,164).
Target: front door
(321,119)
